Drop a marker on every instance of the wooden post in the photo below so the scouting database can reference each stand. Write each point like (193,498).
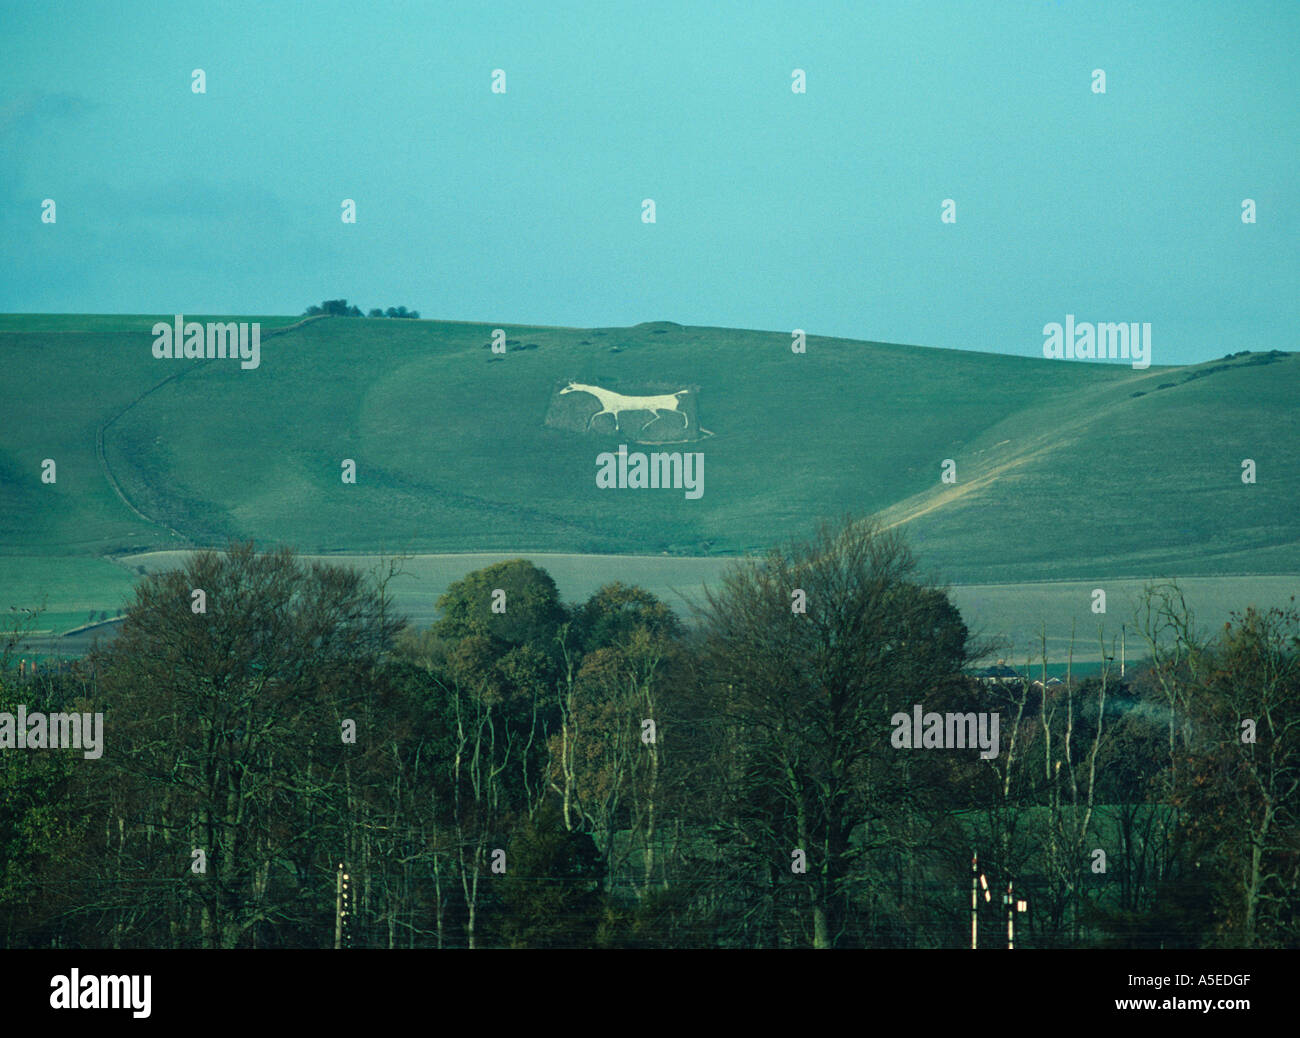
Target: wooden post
(338,908)
(1011,918)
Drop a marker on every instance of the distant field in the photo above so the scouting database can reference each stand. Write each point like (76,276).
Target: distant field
(1014,612)
(1018,612)
(69,587)
(678,581)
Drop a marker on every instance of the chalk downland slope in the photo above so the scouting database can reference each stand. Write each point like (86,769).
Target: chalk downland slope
(1065,470)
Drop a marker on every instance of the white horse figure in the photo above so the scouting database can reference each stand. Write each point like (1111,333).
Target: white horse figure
(612,403)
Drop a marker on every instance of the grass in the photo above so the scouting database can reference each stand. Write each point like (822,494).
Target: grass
(1064,474)
(70,587)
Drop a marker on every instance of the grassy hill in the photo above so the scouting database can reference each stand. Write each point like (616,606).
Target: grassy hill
(1066,470)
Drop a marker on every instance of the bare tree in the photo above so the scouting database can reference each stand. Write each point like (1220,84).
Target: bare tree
(809,653)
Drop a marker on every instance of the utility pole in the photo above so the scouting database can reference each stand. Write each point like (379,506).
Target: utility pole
(978,882)
(338,908)
(340,905)
(1014,905)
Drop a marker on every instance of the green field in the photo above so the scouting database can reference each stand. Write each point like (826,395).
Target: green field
(1077,471)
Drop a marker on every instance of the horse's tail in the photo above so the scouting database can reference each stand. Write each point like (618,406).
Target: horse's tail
(681,392)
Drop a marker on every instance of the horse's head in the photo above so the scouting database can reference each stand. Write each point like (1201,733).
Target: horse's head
(572,387)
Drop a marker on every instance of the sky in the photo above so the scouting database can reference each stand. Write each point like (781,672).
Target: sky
(773,209)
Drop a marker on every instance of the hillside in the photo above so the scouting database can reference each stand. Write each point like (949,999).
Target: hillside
(1065,470)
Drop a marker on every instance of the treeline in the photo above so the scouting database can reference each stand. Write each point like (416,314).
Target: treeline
(340,308)
(530,773)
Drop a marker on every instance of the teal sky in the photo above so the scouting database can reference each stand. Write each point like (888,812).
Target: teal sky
(774,210)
